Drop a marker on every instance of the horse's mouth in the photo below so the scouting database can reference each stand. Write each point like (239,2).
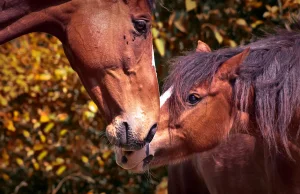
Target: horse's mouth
(147,160)
(134,161)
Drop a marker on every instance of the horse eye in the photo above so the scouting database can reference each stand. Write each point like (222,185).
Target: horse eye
(140,26)
(193,99)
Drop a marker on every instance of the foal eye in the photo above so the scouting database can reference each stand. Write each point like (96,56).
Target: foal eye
(141,26)
(193,99)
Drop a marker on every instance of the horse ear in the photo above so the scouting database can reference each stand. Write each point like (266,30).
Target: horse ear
(202,47)
(228,69)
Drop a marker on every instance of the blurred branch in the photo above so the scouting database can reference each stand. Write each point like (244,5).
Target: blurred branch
(72,177)
(22,184)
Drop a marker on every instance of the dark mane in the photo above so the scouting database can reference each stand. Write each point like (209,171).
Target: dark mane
(272,69)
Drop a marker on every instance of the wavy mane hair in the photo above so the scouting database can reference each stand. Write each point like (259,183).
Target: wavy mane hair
(272,69)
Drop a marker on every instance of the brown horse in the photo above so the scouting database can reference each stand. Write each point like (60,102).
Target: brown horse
(252,89)
(109,45)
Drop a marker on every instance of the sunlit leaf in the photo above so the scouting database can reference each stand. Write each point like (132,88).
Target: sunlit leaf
(63,132)
(20,162)
(44,77)
(92,107)
(9,125)
(26,133)
(241,22)
(84,159)
(190,5)
(256,23)
(44,118)
(160,45)
(100,161)
(5,176)
(218,36)
(36,165)
(232,43)
(49,127)
(58,161)
(43,138)
(42,155)
(62,117)
(61,170)
(155,32)
(106,154)
(38,147)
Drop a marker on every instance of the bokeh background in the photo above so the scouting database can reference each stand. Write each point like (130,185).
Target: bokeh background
(52,138)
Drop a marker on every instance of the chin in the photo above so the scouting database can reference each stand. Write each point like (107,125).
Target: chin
(139,169)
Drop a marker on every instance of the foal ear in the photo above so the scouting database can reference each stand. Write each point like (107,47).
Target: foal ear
(202,47)
(228,70)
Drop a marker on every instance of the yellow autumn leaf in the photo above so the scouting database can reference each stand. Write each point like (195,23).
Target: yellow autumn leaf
(44,77)
(26,133)
(92,106)
(190,5)
(106,154)
(43,138)
(160,45)
(232,43)
(58,161)
(49,127)
(63,132)
(30,153)
(218,36)
(3,101)
(38,147)
(36,166)
(241,22)
(61,170)
(62,117)
(100,161)
(155,32)
(256,23)
(5,155)
(48,168)
(9,125)
(84,159)
(44,118)
(5,177)
(20,162)
(42,155)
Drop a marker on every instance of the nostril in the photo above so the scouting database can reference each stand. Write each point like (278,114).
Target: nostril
(123,133)
(151,133)
(124,159)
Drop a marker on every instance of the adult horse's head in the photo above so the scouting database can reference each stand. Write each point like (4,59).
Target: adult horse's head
(109,45)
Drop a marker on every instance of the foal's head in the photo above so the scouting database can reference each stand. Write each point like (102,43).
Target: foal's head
(199,122)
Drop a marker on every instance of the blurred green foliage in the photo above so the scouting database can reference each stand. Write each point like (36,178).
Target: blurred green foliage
(52,137)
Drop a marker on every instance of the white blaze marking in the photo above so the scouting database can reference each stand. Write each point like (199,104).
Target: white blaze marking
(163,98)
(153,60)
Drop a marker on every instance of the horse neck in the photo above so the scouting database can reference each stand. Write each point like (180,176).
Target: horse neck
(18,17)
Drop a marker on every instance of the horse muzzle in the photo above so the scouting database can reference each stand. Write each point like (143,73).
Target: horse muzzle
(136,161)
(123,135)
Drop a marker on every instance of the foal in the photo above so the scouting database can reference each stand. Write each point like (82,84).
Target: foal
(253,89)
